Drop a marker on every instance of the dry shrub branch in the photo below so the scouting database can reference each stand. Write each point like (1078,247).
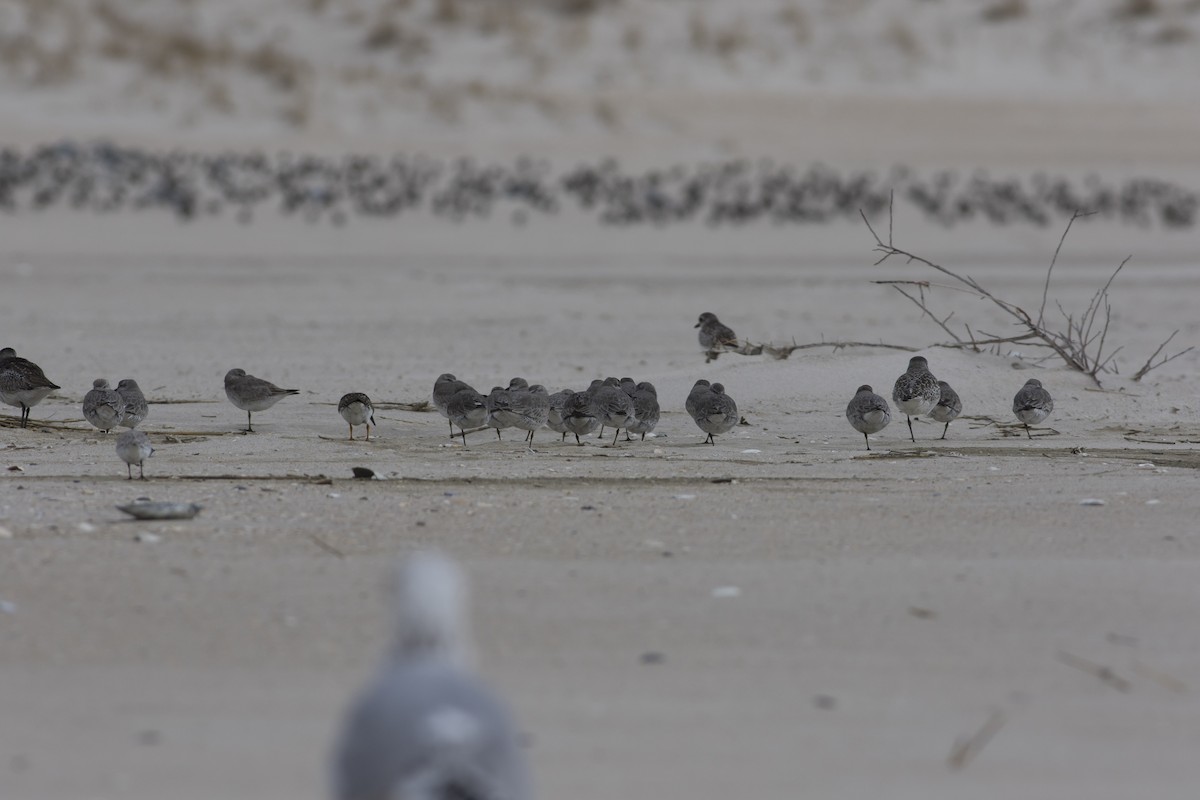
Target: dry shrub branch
(1080,340)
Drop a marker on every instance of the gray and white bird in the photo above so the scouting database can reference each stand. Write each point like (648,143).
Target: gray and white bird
(499,410)
(136,407)
(426,727)
(530,408)
(645,410)
(714,336)
(554,420)
(868,412)
(916,391)
(466,409)
(444,388)
(252,394)
(699,389)
(715,412)
(580,415)
(1032,404)
(356,409)
(103,406)
(133,447)
(948,407)
(22,383)
(613,406)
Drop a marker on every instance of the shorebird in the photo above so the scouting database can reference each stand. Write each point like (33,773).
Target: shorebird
(443,389)
(645,410)
(868,412)
(133,447)
(614,406)
(467,409)
(530,408)
(252,394)
(714,336)
(136,408)
(715,412)
(102,406)
(1032,404)
(916,391)
(499,414)
(425,727)
(356,409)
(580,415)
(554,420)
(22,383)
(699,389)
(948,407)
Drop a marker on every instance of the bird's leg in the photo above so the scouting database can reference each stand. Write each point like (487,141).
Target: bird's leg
(369,431)
(643,437)
(577,440)
(142,470)
(868,441)
(129,469)
(627,435)
(498,436)
(1027,433)
(564,436)
(616,433)
(24,415)
(710,440)
(451,428)
(600,435)
(352,432)
(910,433)
(945,429)
(249,426)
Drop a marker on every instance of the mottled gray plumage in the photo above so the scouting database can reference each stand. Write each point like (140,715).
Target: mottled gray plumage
(715,412)
(133,447)
(425,727)
(1032,404)
(444,388)
(613,406)
(136,407)
(916,391)
(356,409)
(102,406)
(699,389)
(948,407)
(22,383)
(530,408)
(466,409)
(580,415)
(554,420)
(252,394)
(499,410)
(714,336)
(868,412)
(645,410)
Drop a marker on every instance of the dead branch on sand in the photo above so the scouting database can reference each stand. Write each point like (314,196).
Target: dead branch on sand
(1081,344)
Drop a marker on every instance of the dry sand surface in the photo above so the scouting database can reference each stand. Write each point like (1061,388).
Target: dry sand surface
(780,615)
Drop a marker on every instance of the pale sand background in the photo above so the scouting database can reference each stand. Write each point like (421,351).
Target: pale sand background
(921,594)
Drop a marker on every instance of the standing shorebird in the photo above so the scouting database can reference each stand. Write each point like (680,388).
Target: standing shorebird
(714,336)
(554,420)
(615,407)
(103,407)
(699,389)
(868,412)
(425,726)
(356,409)
(715,412)
(948,407)
(580,415)
(444,388)
(1032,404)
(645,410)
(133,447)
(136,408)
(252,394)
(22,383)
(916,391)
(466,409)
(531,409)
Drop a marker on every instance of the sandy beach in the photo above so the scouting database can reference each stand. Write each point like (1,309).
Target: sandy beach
(780,614)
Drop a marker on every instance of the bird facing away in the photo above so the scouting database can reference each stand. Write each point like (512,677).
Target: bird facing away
(580,415)
(868,412)
(714,336)
(133,447)
(102,406)
(252,394)
(916,391)
(466,409)
(426,727)
(699,389)
(530,408)
(554,420)
(443,389)
(645,410)
(715,412)
(356,409)
(136,408)
(499,411)
(948,407)
(22,383)
(1032,404)
(613,406)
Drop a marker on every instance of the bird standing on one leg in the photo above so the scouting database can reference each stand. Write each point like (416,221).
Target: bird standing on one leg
(948,407)
(868,412)
(1032,404)
(916,391)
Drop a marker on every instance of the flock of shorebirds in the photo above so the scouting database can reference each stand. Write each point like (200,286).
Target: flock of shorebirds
(621,404)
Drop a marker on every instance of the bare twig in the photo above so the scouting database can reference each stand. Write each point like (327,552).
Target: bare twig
(965,750)
(1053,261)
(1149,365)
(1105,674)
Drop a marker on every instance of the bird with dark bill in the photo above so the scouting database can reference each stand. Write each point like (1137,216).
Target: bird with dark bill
(714,336)
(22,383)
(252,394)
